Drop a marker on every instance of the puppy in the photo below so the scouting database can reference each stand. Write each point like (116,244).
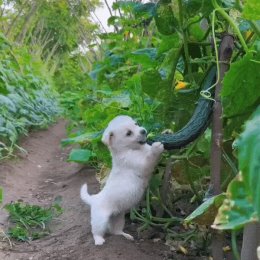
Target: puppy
(133,162)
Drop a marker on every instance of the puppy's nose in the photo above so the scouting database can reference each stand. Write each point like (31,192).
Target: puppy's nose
(143,132)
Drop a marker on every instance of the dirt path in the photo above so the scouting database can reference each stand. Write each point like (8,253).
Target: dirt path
(43,175)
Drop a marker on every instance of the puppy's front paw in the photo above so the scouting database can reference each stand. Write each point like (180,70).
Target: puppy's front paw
(99,240)
(157,147)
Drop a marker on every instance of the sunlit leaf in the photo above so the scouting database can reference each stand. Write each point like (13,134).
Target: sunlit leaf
(237,209)
(249,158)
(206,212)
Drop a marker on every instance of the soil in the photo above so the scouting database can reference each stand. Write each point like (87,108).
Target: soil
(41,176)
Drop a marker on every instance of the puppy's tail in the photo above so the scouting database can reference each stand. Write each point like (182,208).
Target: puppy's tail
(85,195)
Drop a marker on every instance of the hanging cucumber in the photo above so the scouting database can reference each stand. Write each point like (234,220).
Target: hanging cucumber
(198,122)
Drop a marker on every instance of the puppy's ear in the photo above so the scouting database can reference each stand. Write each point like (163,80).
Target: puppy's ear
(107,137)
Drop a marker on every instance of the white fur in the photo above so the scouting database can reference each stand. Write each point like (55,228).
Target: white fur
(133,162)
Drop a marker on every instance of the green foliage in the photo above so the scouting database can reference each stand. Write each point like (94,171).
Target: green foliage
(154,48)
(29,221)
(136,76)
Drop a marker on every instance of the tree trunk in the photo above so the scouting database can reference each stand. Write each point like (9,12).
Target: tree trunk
(10,27)
(111,14)
(27,21)
(251,240)
(225,52)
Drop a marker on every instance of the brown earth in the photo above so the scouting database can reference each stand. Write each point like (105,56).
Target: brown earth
(43,175)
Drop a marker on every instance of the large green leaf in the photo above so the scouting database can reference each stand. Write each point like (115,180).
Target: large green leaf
(241,85)
(252,10)
(165,21)
(237,210)
(206,212)
(249,158)
(80,155)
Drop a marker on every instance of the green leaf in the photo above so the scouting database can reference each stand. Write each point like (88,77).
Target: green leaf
(165,21)
(150,81)
(206,212)
(195,29)
(146,57)
(147,9)
(237,210)
(125,5)
(150,52)
(80,155)
(82,139)
(249,158)
(112,20)
(167,67)
(168,42)
(241,86)
(252,10)
(194,7)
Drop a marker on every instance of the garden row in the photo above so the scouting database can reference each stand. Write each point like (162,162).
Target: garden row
(27,98)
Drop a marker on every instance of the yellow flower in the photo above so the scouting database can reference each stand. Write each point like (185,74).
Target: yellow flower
(180,85)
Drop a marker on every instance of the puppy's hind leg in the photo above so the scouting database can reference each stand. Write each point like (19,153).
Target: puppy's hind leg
(99,224)
(117,225)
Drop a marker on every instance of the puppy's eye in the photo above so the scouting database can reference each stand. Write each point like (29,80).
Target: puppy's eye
(129,132)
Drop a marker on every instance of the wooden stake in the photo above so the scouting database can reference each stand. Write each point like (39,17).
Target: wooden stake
(225,53)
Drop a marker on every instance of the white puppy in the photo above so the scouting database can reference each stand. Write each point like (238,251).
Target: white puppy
(133,162)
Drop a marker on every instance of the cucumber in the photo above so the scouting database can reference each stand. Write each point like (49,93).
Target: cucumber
(196,125)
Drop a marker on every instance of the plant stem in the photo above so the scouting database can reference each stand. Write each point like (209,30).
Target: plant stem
(185,39)
(234,245)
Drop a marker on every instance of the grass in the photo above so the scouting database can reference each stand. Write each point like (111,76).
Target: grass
(29,222)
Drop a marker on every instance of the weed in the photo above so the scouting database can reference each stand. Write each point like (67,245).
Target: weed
(29,221)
